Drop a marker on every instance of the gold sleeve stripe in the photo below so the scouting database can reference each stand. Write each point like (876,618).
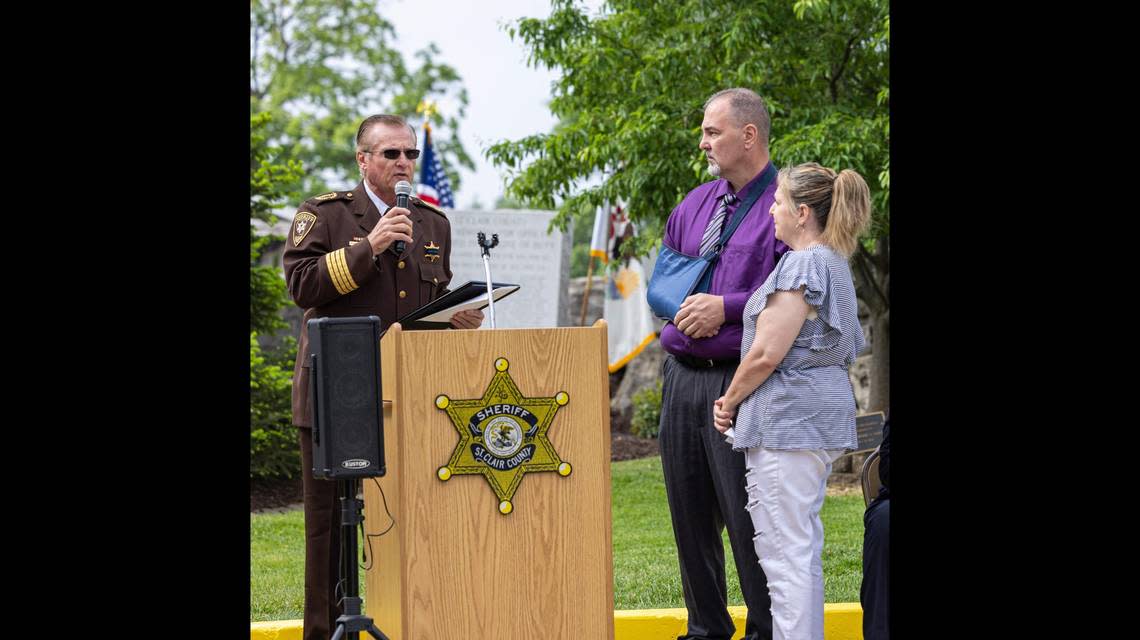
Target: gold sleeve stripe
(338,271)
(336,274)
(333,275)
(343,261)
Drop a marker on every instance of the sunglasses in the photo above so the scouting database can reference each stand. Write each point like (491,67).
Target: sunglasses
(392,154)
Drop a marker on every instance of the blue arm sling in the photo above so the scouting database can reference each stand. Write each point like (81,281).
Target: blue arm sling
(677,276)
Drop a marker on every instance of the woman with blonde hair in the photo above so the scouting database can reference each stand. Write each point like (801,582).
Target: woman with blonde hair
(790,407)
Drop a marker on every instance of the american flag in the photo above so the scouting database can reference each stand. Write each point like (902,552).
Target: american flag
(434,186)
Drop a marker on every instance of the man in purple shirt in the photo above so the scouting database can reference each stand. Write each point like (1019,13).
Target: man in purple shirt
(704,477)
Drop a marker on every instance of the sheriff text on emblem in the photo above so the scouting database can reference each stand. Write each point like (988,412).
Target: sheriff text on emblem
(503,435)
(302,222)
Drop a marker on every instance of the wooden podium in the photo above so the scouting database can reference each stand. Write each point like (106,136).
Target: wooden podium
(458,562)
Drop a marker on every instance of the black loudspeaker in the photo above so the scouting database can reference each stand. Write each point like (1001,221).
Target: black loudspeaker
(348,415)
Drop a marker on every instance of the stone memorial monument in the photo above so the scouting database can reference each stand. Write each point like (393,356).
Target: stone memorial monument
(526,255)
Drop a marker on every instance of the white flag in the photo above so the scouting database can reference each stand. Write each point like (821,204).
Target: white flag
(600,242)
(630,322)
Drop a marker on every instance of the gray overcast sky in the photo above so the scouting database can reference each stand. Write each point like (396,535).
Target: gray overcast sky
(506,98)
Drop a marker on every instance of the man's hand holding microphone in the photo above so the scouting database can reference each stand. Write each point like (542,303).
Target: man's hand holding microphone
(394,225)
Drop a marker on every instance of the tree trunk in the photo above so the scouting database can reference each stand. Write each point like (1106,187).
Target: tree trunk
(880,397)
(872,284)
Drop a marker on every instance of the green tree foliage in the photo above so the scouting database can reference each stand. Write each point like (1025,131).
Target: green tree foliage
(273,179)
(630,99)
(322,66)
(580,258)
(507,202)
(273,451)
(272,182)
(580,253)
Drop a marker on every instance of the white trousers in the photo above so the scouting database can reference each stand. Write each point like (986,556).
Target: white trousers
(785,493)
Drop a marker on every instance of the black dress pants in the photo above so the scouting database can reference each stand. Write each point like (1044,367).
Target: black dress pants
(875,592)
(704,481)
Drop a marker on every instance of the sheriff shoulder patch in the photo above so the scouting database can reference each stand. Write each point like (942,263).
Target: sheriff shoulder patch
(302,224)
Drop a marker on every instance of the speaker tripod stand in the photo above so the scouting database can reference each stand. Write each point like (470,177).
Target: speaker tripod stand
(351,622)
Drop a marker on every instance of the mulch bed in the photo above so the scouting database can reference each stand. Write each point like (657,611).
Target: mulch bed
(275,494)
(626,446)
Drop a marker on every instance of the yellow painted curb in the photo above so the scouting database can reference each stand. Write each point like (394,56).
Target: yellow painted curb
(841,621)
(275,630)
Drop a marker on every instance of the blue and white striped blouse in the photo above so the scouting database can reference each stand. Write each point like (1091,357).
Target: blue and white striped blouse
(807,402)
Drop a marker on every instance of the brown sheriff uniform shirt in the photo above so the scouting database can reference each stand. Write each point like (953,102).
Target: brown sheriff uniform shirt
(330,271)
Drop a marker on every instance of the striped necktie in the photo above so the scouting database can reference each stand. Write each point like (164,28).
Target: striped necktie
(716,225)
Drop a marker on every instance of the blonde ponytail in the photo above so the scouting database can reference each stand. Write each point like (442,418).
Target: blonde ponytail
(850,213)
(840,203)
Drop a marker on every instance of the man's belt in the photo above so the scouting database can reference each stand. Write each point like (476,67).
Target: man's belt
(705,363)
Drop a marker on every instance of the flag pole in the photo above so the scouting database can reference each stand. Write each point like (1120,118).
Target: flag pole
(586,295)
(594,240)
(428,109)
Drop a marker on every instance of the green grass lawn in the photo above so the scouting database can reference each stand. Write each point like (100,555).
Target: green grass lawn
(646,575)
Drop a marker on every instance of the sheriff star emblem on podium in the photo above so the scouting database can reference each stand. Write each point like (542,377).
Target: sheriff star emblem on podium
(503,435)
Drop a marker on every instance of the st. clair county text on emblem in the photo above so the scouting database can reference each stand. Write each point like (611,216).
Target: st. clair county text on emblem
(503,435)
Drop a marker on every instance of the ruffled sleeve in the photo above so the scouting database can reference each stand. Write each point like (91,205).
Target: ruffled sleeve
(807,270)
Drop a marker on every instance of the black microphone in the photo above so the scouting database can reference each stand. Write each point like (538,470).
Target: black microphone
(403,192)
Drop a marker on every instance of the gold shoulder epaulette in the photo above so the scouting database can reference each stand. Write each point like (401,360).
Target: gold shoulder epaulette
(427,205)
(330,196)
